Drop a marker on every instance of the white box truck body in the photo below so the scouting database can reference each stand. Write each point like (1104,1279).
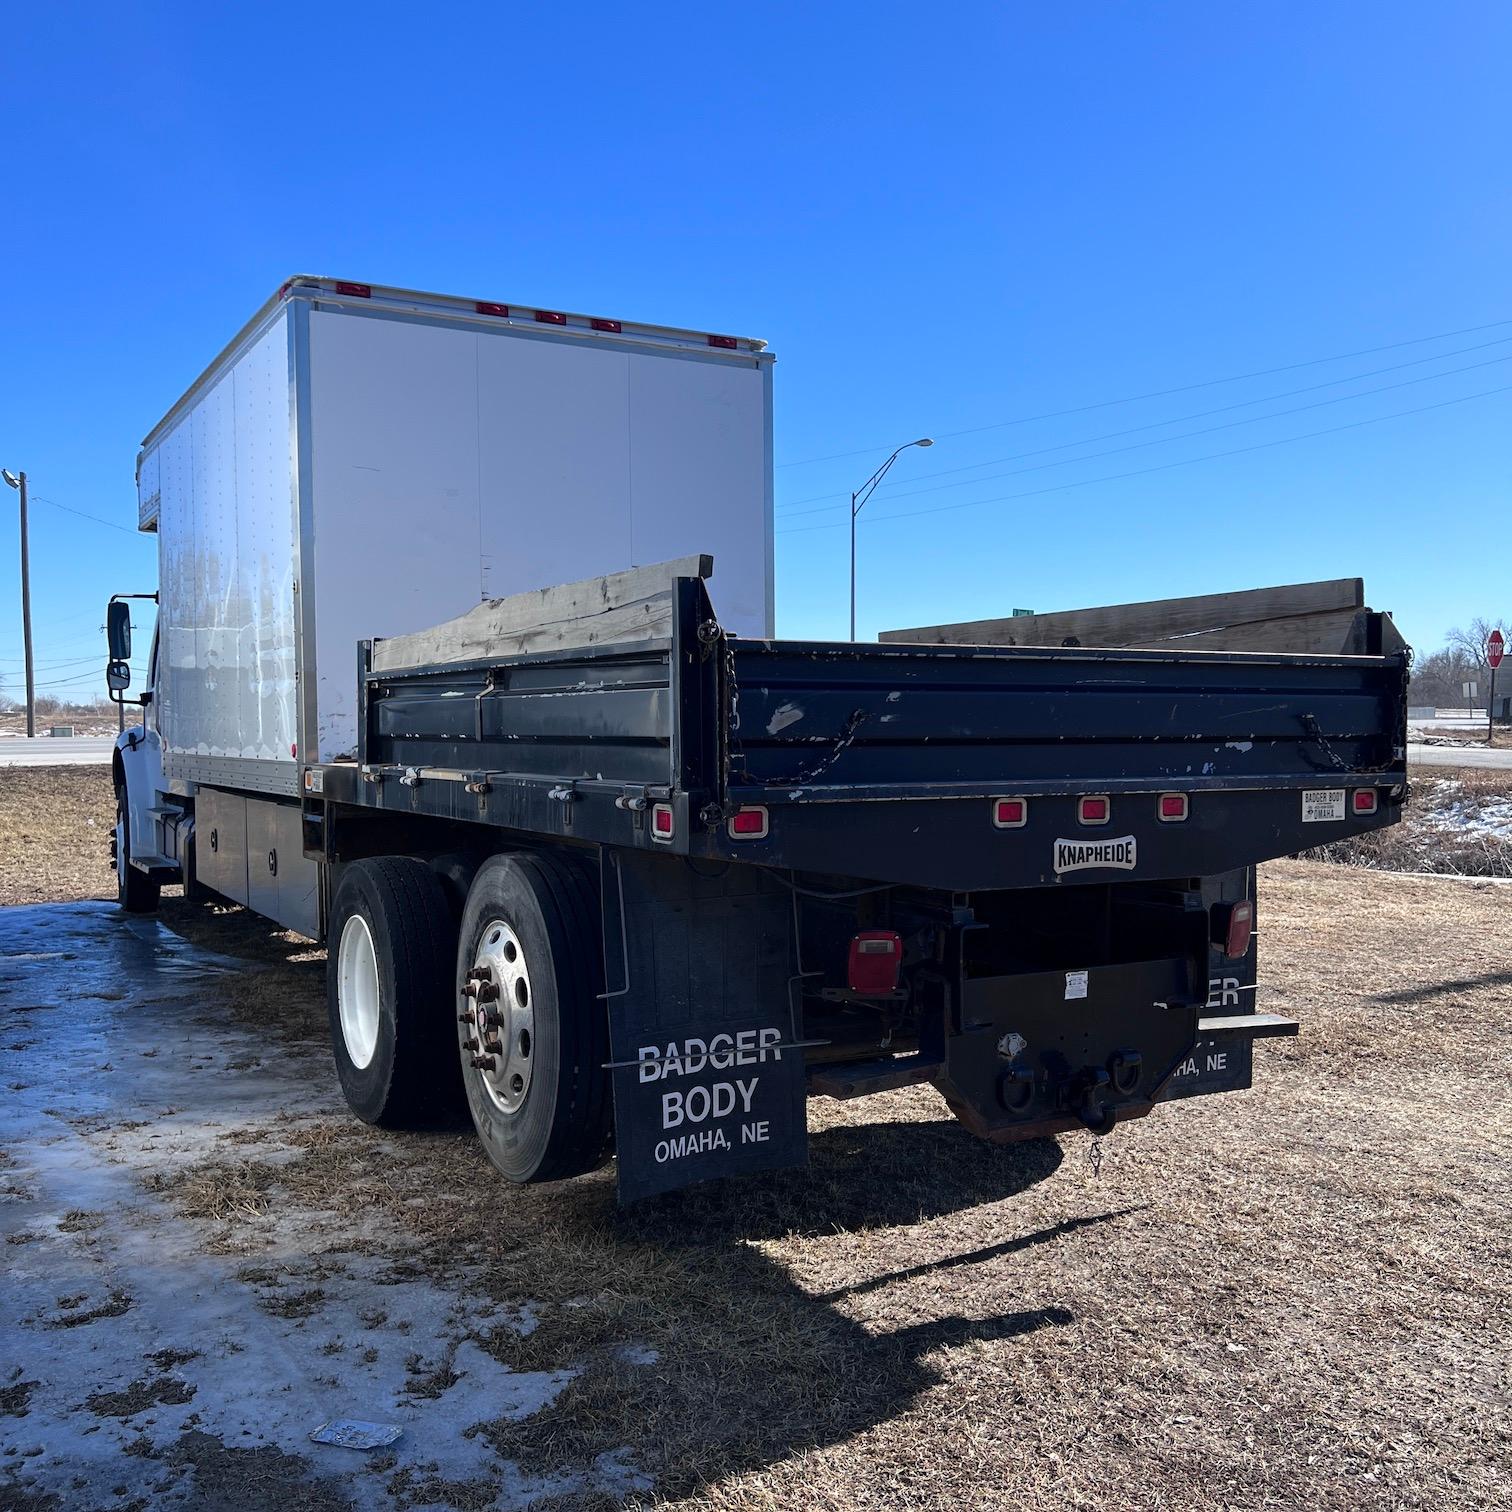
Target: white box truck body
(364,461)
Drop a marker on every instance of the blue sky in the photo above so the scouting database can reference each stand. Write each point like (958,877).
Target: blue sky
(946,220)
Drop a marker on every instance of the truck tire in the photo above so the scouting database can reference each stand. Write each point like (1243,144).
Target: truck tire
(389,994)
(136,892)
(530,970)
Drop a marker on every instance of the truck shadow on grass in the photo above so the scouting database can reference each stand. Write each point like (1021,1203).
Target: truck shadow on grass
(776,1333)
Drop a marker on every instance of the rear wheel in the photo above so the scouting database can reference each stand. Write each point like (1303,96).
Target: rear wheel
(136,892)
(389,961)
(533,1032)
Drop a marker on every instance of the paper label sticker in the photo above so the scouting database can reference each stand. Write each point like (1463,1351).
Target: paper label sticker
(1323,805)
(1076,985)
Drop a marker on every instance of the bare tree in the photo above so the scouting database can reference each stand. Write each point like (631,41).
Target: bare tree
(1470,643)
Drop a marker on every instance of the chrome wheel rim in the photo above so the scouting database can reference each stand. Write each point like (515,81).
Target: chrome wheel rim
(499,1027)
(357,991)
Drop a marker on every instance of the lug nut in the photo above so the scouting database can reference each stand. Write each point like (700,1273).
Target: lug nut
(484,1062)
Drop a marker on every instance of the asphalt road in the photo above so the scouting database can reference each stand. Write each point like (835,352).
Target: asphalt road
(1457,756)
(44,750)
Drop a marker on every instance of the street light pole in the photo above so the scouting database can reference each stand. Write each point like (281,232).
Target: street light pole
(858,503)
(18,482)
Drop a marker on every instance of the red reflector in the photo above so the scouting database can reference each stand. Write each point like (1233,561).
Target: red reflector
(1364,800)
(1094,810)
(1241,921)
(876,956)
(361,291)
(550,317)
(749,824)
(1173,806)
(1010,813)
(728,342)
(488,307)
(605,325)
(661,821)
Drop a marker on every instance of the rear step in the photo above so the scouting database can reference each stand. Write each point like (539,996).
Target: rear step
(886,1074)
(1255,1025)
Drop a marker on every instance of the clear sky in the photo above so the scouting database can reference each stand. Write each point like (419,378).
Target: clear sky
(993,224)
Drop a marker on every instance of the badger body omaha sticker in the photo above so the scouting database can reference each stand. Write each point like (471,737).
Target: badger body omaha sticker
(1323,806)
(1083,855)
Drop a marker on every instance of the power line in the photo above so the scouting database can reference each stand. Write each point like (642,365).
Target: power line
(1222,409)
(1185,388)
(1208,430)
(83,515)
(1140,472)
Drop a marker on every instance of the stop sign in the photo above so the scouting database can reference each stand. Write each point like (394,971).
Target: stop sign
(1496,645)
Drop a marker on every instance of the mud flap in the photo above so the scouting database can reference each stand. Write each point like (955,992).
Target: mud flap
(1221,1062)
(708,1075)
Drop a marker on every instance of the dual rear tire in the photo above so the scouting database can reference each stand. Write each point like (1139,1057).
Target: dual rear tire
(499,1013)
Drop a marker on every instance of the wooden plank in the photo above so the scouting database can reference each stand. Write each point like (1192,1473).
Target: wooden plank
(623,606)
(1152,623)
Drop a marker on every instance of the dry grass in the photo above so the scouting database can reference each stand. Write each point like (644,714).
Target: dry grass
(55,825)
(1295,1297)
(1458,823)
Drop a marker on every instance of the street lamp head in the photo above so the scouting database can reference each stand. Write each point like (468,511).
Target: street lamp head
(10,477)
(925,441)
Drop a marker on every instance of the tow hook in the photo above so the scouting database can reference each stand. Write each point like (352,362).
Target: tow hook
(1124,1068)
(1016,1088)
(1088,1105)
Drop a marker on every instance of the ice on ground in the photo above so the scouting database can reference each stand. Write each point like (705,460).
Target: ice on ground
(119,1335)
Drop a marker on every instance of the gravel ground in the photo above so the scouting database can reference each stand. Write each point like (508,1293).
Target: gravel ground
(1296,1296)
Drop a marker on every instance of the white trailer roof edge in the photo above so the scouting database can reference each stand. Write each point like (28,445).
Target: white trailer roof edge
(538,320)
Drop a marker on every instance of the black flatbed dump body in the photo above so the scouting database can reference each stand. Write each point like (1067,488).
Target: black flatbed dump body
(882,762)
(1054,846)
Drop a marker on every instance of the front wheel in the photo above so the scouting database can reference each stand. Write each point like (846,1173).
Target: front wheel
(533,1031)
(136,892)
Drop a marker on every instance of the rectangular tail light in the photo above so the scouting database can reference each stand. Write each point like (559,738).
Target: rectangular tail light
(1094,810)
(1172,808)
(876,957)
(749,823)
(1010,813)
(1233,924)
(1364,801)
(663,824)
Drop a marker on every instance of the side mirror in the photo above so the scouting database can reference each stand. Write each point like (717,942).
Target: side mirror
(118,632)
(118,676)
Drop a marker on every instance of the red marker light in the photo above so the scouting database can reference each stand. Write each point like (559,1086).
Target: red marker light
(727,342)
(749,824)
(550,317)
(662,822)
(488,307)
(1094,810)
(1364,801)
(1010,813)
(359,291)
(1173,807)
(605,325)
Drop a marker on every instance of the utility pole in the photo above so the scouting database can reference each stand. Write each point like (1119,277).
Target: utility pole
(18,482)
